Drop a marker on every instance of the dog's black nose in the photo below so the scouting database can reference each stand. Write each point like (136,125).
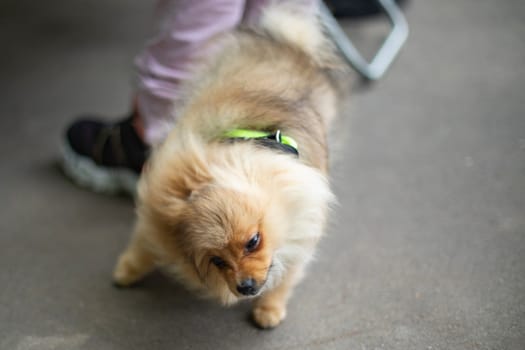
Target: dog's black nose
(247,287)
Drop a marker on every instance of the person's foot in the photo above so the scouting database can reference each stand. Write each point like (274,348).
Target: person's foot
(104,157)
(355,8)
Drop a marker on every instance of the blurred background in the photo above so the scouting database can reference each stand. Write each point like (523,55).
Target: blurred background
(426,249)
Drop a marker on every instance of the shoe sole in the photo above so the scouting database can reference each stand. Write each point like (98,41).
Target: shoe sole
(87,174)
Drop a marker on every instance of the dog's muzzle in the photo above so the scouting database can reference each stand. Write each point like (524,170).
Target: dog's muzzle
(248,286)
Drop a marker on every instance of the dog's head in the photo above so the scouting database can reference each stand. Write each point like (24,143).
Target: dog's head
(235,222)
(230,239)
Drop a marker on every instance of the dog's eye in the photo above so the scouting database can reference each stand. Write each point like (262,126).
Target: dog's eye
(215,260)
(253,243)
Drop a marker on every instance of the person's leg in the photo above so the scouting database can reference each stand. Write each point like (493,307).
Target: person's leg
(185,29)
(107,157)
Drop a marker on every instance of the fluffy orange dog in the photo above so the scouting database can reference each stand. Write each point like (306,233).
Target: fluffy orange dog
(235,216)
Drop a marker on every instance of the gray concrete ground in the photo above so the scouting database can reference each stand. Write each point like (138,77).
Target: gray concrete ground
(427,246)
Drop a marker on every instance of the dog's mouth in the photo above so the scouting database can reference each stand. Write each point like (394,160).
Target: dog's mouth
(257,290)
(252,294)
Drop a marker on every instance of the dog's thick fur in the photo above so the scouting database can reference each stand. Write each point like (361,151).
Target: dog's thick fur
(201,196)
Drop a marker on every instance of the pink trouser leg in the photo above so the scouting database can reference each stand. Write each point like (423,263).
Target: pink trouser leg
(167,59)
(166,62)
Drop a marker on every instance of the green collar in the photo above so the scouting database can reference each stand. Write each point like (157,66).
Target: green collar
(274,140)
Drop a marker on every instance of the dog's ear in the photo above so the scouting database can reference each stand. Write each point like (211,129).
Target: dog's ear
(169,180)
(186,174)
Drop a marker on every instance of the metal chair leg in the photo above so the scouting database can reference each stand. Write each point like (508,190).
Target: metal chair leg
(385,55)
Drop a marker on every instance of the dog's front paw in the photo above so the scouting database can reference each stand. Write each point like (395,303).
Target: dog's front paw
(125,273)
(268,316)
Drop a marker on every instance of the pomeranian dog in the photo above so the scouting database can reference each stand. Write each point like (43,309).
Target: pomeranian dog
(234,201)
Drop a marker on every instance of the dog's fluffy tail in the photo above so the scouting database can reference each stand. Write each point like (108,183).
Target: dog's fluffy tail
(299,26)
